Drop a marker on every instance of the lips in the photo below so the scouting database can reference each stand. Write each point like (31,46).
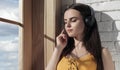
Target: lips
(69,30)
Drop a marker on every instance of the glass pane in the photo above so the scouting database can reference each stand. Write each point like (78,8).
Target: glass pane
(8,46)
(9,9)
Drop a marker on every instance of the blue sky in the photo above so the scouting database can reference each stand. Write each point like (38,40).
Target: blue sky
(9,35)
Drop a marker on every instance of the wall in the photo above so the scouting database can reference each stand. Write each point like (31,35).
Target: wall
(107,13)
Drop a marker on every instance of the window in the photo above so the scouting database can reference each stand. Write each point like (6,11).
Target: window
(34,31)
(9,40)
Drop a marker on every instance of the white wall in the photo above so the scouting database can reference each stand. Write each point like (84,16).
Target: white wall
(108,18)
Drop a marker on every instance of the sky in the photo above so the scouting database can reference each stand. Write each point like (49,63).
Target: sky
(9,35)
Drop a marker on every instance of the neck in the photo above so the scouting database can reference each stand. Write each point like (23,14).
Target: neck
(78,42)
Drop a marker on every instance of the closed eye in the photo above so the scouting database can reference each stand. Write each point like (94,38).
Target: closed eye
(74,20)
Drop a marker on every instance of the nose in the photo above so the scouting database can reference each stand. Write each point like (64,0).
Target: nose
(68,25)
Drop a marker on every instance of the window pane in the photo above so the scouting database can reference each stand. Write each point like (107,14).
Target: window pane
(9,9)
(8,46)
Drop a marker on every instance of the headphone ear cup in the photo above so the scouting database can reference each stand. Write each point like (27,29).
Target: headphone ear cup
(89,21)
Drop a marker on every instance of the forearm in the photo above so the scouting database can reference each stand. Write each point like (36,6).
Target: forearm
(54,60)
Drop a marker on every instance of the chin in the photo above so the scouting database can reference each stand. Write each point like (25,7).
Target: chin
(71,35)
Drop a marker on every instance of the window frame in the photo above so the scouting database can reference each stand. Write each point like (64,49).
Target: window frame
(52,26)
(26,30)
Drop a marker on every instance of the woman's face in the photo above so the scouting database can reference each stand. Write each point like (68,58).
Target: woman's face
(74,24)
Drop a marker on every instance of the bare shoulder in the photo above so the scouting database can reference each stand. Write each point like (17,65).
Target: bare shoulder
(107,59)
(105,52)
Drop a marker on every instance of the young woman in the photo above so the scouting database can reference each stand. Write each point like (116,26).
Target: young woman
(78,45)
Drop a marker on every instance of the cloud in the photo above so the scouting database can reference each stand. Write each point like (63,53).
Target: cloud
(11,13)
(9,35)
(9,3)
(9,54)
(8,66)
(10,45)
(9,9)
(8,30)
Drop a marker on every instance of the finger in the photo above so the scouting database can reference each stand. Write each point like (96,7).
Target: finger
(60,36)
(62,32)
(64,36)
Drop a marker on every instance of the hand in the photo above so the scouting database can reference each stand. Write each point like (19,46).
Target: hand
(61,40)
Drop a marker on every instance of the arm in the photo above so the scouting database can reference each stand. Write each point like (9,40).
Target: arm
(107,60)
(54,60)
(61,43)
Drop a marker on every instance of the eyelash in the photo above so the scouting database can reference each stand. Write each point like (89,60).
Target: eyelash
(74,20)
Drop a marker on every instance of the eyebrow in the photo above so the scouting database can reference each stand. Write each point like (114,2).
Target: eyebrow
(70,18)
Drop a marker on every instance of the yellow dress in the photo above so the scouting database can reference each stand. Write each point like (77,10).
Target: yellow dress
(86,62)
